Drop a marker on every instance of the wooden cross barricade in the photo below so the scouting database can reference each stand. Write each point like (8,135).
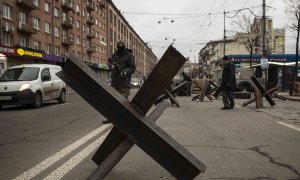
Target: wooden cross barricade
(205,90)
(131,125)
(259,93)
(170,92)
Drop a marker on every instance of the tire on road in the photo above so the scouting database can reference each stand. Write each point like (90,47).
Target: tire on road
(37,100)
(63,96)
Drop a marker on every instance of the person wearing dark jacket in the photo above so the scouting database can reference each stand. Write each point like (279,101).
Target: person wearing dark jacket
(122,65)
(189,83)
(228,84)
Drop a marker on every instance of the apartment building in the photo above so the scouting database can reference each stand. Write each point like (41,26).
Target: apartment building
(41,31)
(278,41)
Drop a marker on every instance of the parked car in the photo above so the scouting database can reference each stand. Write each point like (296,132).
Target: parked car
(31,84)
(136,83)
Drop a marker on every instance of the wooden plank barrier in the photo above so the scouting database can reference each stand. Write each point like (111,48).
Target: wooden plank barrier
(131,125)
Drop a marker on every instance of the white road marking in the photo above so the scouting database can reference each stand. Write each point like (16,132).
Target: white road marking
(60,105)
(70,164)
(34,171)
(288,125)
(238,106)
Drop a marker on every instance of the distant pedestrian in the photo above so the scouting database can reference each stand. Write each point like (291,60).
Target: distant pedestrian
(228,84)
(189,83)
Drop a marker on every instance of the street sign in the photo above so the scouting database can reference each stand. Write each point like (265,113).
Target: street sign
(264,63)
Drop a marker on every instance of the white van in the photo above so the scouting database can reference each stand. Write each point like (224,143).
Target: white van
(31,84)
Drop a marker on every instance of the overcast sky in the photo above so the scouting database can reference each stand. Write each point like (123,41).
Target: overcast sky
(192,23)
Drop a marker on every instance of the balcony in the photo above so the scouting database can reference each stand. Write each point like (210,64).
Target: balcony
(67,24)
(90,20)
(90,35)
(67,5)
(67,42)
(27,4)
(90,6)
(26,29)
(91,49)
(102,4)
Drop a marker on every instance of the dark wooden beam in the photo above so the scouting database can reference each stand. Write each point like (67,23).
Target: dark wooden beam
(131,121)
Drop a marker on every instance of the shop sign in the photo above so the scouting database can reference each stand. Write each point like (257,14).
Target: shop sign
(22,52)
(264,63)
(7,50)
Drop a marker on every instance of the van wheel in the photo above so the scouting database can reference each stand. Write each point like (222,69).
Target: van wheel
(37,101)
(62,97)
(1,106)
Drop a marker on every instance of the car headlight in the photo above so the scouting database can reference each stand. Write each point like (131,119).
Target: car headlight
(24,86)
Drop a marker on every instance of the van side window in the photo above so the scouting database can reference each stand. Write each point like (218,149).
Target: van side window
(46,75)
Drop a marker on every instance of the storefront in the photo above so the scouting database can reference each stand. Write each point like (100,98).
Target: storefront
(13,56)
(281,67)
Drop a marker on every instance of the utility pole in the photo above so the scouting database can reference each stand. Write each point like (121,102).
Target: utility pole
(264,29)
(224,39)
(264,54)
(1,29)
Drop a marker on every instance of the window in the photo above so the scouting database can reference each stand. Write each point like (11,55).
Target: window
(78,40)
(24,41)
(83,12)
(83,27)
(36,23)
(36,45)
(97,22)
(64,34)
(71,20)
(36,3)
(7,39)
(110,16)
(115,20)
(23,18)
(72,37)
(56,50)
(7,11)
(84,42)
(56,12)
(78,24)
(56,31)
(77,8)
(47,27)
(48,48)
(46,75)
(64,17)
(47,7)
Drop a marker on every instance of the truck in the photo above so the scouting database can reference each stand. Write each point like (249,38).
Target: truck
(243,81)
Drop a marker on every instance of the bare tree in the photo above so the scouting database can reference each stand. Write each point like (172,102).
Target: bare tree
(248,33)
(293,9)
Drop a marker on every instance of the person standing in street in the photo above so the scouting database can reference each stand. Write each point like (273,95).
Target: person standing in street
(189,83)
(122,66)
(228,83)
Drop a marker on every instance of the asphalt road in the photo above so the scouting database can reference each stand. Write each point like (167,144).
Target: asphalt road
(57,142)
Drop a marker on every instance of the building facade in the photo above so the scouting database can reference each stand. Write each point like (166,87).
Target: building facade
(213,51)
(42,31)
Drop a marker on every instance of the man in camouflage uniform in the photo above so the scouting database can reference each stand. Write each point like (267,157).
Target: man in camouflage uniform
(122,66)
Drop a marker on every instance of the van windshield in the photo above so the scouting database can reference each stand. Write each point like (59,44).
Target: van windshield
(20,74)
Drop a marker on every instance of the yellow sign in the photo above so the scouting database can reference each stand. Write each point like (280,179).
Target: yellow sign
(22,52)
